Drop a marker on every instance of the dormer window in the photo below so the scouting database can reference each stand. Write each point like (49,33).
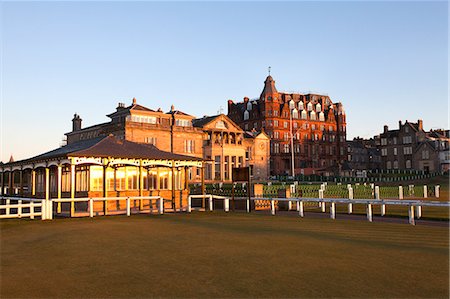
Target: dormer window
(318,107)
(183,123)
(321,116)
(300,105)
(246,115)
(291,104)
(142,119)
(309,106)
(304,116)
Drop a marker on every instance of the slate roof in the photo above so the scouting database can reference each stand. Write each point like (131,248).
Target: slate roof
(178,112)
(200,122)
(129,108)
(269,87)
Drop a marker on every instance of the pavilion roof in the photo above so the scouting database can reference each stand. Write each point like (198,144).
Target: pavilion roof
(104,147)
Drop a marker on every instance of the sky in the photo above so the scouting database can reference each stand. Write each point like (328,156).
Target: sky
(385,61)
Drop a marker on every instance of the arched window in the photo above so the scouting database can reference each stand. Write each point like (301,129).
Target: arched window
(318,107)
(395,164)
(291,104)
(300,105)
(246,115)
(321,116)
(249,106)
(313,115)
(304,114)
(408,164)
(388,165)
(294,113)
(309,106)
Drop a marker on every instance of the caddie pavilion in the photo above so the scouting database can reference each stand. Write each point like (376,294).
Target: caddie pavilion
(101,167)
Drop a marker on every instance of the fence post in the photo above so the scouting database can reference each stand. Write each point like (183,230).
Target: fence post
(411,215)
(161,205)
(377,196)
(369,212)
(321,202)
(8,202)
(436,191)
(400,192)
(189,208)
(350,197)
(333,210)
(19,208)
(43,210)
(418,211)
(300,208)
(272,207)
(91,207)
(247,201)
(31,209)
(128,207)
(425,191)
(49,209)
(226,204)
(211,203)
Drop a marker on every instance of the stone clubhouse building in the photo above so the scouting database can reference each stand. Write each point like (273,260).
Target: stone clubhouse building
(216,139)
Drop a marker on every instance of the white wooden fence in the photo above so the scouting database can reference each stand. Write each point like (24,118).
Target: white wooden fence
(16,207)
(44,208)
(369,203)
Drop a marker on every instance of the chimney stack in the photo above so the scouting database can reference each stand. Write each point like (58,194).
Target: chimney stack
(400,124)
(120,106)
(386,128)
(420,123)
(76,123)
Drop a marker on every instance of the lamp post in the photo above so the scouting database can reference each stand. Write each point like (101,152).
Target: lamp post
(292,140)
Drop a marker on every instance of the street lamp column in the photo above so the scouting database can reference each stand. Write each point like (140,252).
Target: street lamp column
(292,111)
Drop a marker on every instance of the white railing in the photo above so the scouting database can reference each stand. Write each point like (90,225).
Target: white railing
(90,200)
(411,204)
(46,206)
(226,201)
(34,207)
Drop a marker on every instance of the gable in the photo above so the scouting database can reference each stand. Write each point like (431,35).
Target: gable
(221,122)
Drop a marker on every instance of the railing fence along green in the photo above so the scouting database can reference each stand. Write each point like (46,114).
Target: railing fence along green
(384,176)
(338,190)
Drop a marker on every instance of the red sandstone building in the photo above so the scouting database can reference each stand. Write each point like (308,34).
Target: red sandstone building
(317,124)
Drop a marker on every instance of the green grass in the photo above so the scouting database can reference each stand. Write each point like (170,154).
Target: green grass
(221,255)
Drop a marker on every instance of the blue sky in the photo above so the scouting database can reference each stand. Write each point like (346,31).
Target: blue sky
(385,61)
